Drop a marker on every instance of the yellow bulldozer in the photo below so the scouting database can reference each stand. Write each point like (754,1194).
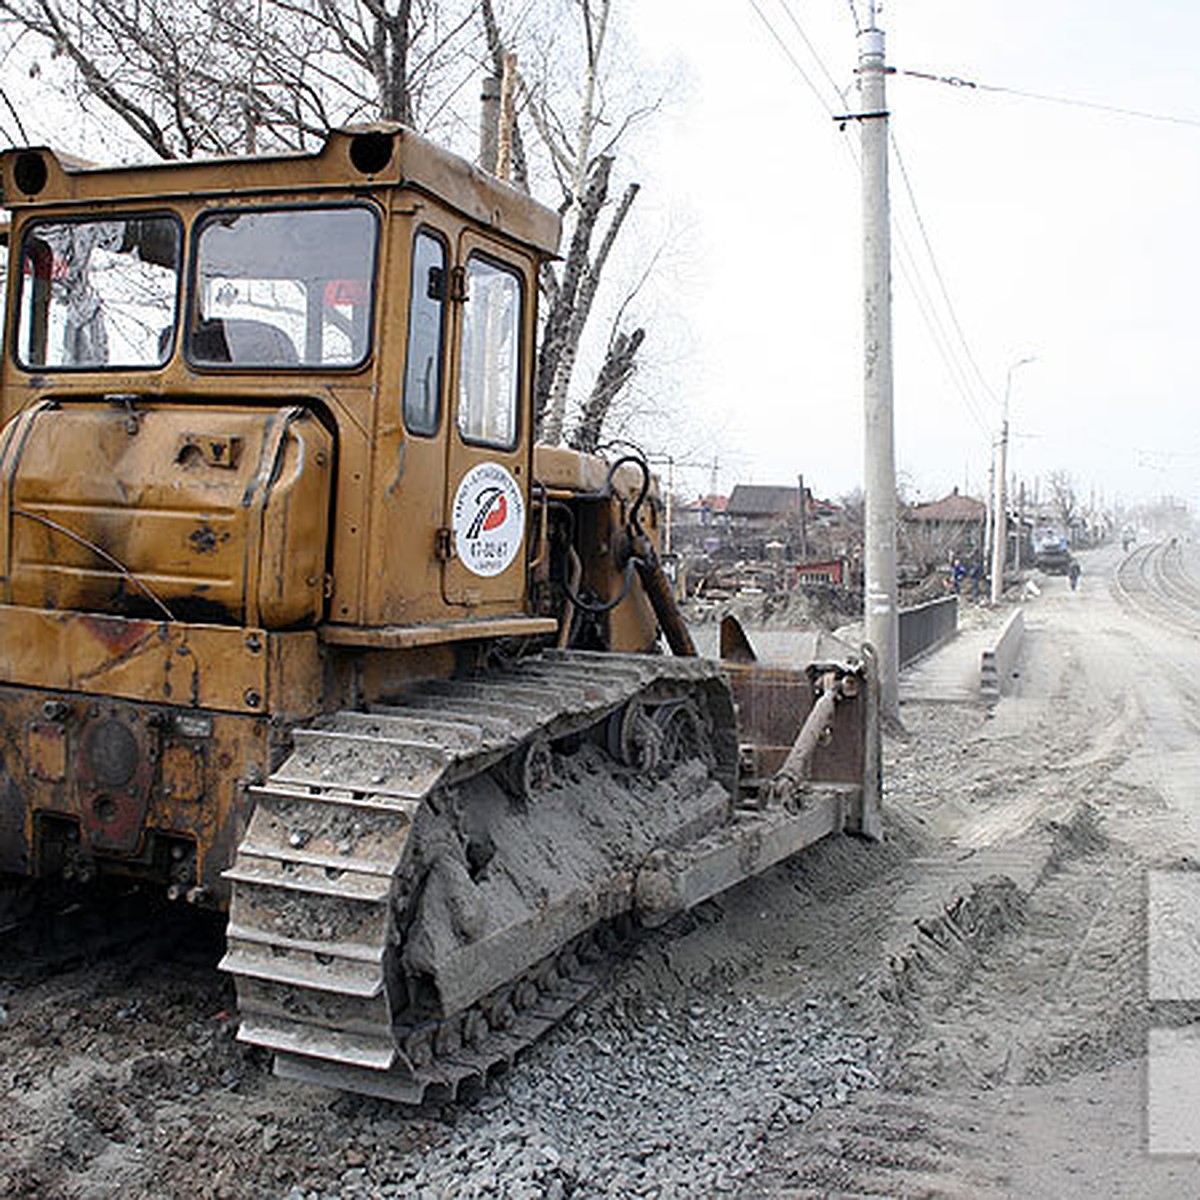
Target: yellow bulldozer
(298,622)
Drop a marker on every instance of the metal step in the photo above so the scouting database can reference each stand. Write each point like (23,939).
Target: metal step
(457,737)
(350,885)
(333,862)
(289,1037)
(290,973)
(356,951)
(344,796)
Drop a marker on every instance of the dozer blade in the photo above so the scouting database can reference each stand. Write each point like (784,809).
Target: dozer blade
(775,706)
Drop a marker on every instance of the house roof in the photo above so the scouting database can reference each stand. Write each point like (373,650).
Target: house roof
(761,500)
(712,504)
(953,507)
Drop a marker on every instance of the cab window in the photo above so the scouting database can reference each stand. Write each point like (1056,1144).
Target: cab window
(423,362)
(98,293)
(284,288)
(490,356)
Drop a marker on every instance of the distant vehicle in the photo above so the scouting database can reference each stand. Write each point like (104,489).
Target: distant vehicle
(1051,552)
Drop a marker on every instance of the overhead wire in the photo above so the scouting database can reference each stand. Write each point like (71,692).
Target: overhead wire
(812,87)
(1048,98)
(937,271)
(958,376)
(941,339)
(787,8)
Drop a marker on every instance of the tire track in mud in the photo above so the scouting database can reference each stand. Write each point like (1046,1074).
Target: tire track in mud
(1019,1011)
(1003,987)
(1060,988)
(887,1146)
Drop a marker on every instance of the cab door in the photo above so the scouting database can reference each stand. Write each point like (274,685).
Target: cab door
(488,443)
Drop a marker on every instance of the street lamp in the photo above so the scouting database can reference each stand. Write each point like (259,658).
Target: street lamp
(999,516)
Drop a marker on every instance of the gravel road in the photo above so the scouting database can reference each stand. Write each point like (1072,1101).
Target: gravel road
(959,1010)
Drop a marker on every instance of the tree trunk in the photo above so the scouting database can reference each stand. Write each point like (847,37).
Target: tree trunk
(519,167)
(560,336)
(618,369)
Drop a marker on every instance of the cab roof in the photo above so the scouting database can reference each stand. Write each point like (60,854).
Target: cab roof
(370,158)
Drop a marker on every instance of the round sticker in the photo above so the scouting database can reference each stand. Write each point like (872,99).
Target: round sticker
(488,519)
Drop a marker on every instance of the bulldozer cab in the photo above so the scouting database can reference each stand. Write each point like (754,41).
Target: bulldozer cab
(381,289)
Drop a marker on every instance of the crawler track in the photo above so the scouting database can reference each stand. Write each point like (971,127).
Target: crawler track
(426,888)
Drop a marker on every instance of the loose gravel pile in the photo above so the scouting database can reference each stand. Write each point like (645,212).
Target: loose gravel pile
(679,1103)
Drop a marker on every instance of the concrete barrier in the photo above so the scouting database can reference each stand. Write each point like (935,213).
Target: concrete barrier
(997,662)
(927,626)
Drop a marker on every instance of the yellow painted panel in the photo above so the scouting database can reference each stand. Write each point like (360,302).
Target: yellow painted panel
(205,666)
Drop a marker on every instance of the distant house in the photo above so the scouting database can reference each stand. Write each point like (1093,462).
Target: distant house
(760,508)
(705,512)
(833,571)
(944,530)
(762,513)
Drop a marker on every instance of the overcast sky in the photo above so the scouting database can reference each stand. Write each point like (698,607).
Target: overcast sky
(1060,231)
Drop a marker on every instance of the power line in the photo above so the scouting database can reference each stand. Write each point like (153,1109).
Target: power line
(787,8)
(1047,98)
(937,272)
(791,57)
(910,272)
(942,342)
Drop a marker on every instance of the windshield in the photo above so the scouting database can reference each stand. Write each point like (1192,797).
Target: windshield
(284,287)
(98,293)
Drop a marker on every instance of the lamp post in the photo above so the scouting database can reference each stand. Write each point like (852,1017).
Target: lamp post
(999,516)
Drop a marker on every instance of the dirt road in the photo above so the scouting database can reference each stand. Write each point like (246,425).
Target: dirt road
(962,1010)
(1020,1061)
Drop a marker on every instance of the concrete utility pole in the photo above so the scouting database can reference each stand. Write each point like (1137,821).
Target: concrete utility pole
(803,521)
(999,517)
(989,522)
(881,618)
(1020,523)
(1000,530)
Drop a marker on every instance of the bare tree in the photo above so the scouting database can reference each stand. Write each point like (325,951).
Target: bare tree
(1062,490)
(204,77)
(188,78)
(579,146)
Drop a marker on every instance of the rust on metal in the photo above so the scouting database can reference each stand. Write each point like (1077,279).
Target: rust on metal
(207,666)
(120,638)
(817,727)
(116,763)
(47,751)
(735,645)
(183,770)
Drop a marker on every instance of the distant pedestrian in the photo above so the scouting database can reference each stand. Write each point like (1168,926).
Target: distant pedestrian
(1073,572)
(976,580)
(960,573)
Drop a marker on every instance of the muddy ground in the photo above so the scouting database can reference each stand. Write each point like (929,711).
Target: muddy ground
(962,1010)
